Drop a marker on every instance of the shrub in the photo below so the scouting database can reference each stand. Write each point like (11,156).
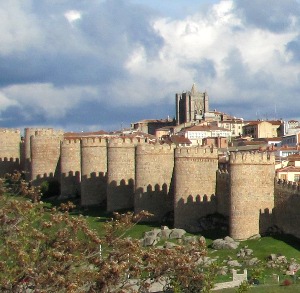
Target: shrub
(50,188)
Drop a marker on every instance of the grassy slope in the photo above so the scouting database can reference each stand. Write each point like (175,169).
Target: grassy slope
(284,245)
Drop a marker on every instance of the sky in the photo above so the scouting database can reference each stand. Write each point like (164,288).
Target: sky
(93,65)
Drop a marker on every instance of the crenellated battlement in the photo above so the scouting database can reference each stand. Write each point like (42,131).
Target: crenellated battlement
(145,174)
(45,139)
(155,149)
(47,132)
(70,141)
(289,185)
(252,158)
(10,130)
(198,151)
(5,159)
(94,142)
(203,198)
(223,174)
(123,142)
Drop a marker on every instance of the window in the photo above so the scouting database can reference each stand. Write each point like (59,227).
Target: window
(297,177)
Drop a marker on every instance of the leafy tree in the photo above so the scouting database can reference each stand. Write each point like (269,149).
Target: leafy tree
(48,250)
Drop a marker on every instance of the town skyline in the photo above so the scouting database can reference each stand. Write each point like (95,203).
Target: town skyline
(72,66)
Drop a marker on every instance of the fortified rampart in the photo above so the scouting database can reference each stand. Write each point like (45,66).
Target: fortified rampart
(153,179)
(9,150)
(120,173)
(45,155)
(94,171)
(195,184)
(136,174)
(286,214)
(251,191)
(223,192)
(70,167)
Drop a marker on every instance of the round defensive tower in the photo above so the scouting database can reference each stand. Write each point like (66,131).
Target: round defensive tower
(195,184)
(10,140)
(94,171)
(70,163)
(251,191)
(120,173)
(153,186)
(27,148)
(45,156)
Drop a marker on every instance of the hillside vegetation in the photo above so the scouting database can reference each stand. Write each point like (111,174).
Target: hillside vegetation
(57,247)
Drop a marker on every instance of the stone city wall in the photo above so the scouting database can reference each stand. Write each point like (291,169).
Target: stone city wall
(120,173)
(94,171)
(131,173)
(70,162)
(153,179)
(10,140)
(287,207)
(195,177)
(251,191)
(45,157)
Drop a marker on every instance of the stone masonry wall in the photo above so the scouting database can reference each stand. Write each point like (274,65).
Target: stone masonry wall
(287,207)
(70,167)
(195,185)
(222,192)
(120,174)
(94,171)
(153,179)
(251,192)
(45,156)
(9,150)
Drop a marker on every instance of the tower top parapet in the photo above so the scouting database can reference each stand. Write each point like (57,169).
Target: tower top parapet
(252,158)
(94,141)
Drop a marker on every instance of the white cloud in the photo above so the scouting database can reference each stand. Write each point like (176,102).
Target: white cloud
(262,59)
(47,100)
(54,58)
(72,15)
(18,27)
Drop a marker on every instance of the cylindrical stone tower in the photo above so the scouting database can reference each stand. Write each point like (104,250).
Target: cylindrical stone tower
(94,171)
(154,171)
(251,190)
(195,184)
(120,174)
(45,156)
(10,140)
(70,163)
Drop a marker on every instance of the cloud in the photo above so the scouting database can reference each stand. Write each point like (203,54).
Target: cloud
(45,99)
(72,15)
(276,15)
(88,63)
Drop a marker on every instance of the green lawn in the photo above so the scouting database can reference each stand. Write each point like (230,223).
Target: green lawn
(281,245)
(294,288)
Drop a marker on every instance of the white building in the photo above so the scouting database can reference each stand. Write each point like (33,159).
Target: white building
(196,133)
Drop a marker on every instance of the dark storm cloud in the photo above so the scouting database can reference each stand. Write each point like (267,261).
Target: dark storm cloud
(293,47)
(273,15)
(89,51)
(99,63)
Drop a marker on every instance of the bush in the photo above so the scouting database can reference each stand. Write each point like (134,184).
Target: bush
(50,188)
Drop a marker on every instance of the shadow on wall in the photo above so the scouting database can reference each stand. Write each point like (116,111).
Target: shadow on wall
(120,195)
(70,184)
(157,200)
(266,222)
(93,189)
(188,212)
(9,165)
